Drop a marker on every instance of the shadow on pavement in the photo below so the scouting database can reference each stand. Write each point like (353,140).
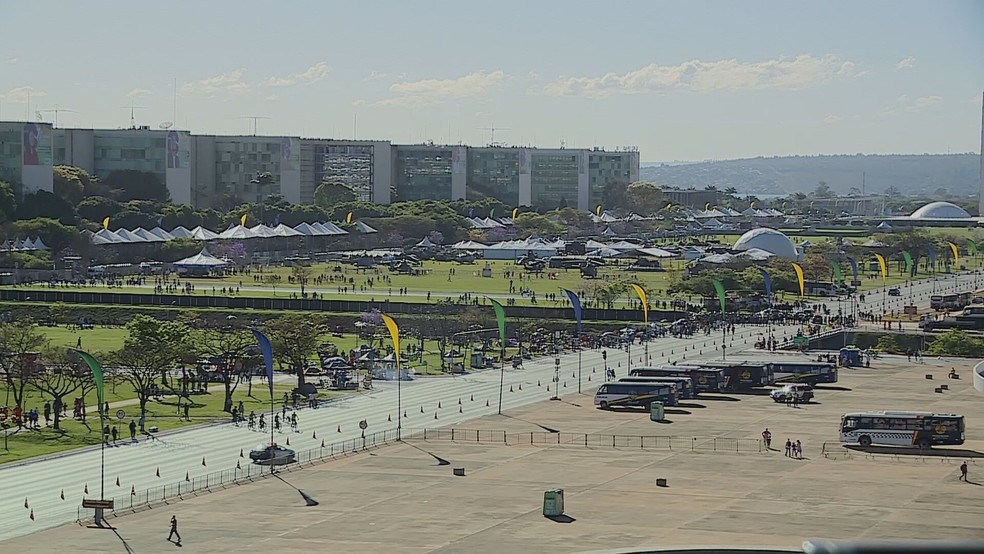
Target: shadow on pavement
(913,451)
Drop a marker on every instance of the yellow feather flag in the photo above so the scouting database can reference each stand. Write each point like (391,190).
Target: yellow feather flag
(106,223)
(242,220)
(645,302)
(707,207)
(799,277)
(394,331)
(752,205)
(669,205)
(515,212)
(956,254)
(348,218)
(598,209)
(884,268)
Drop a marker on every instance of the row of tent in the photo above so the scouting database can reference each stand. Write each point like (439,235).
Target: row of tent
(26,245)
(691,215)
(234,232)
(591,247)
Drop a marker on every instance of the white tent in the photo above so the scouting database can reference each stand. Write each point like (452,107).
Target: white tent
(129,236)
(261,231)
(201,260)
(624,246)
(180,232)
(594,245)
(164,235)
(608,232)
(305,229)
(655,252)
(605,253)
(109,236)
(364,229)
(237,232)
(285,231)
(468,245)
(426,243)
(38,245)
(147,235)
(332,229)
(201,233)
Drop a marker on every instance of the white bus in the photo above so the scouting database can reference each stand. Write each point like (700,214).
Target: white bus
(922,429)
(616,395)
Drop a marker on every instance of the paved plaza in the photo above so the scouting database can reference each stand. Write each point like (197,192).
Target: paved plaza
(399,498)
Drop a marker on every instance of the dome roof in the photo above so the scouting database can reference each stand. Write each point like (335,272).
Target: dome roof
(940,210)
(769,240)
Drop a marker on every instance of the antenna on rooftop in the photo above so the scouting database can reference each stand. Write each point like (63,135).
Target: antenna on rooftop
(492,129)
(254,118)
(55,110)
(133,120)
(166,125)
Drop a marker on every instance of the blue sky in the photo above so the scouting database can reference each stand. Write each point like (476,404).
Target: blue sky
(680,80)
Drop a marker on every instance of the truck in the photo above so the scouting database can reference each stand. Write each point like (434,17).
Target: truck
(970,319)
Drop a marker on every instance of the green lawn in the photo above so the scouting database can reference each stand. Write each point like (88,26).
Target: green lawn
(165,415)
(101,339)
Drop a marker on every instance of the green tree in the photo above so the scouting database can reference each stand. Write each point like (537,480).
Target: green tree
(97,208)
(151,349)
(132,184)
(231,349)
(295,340)
(328,195)
(21,343)
(614,197)
(45,204)
(52,232)
(530,223)
(65,376)
(823,190)
(67,184)
(8,201)
(955,342)
(645,198)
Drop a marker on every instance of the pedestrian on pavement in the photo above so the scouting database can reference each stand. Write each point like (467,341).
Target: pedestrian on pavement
(78,343)
(241,409)
(186,413)
(174,530)
(789,447)
(276,422)
(47,413)
(963,472)
(116,434)
(133,430)
(799,449)
(767,437)
(796,400)
(293,421)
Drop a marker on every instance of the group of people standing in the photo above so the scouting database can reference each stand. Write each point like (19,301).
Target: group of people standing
(793,449)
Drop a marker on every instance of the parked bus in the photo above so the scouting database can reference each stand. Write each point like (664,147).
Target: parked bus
(684,385)
(744,375)
(950,302)
(922,429)
(704,379)
(804,372)
(612,395)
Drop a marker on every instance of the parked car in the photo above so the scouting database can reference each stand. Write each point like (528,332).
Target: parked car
(802,391)
(271,454)
(895,291)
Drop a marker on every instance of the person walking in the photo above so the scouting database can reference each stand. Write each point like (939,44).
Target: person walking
(789,448)
(174,530)
(799,450)
(116,434)
(47,413)
(767,438)
(963,472)
(133,430)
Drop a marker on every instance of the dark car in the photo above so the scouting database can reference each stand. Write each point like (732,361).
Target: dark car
(895,291)
(271,454)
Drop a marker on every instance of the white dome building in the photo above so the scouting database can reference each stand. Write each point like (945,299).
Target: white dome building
(940,210)
(770,240)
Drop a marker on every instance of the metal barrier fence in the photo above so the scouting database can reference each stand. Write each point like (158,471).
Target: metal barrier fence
(251,472)
(596,440)
(247,472)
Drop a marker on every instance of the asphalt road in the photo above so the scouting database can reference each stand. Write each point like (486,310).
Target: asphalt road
(40,483)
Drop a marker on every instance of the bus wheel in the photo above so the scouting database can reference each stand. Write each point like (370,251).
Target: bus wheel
(603,405)
(924,444)
(865,441)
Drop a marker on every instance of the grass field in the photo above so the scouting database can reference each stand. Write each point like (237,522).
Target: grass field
(165,415)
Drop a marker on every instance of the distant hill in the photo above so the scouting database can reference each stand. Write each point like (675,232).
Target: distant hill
(910,174)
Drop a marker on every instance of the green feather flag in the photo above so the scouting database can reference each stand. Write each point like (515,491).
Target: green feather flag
(500,317)
(908,262)
(719,287)
(972,247)
(97,376)
(837,272)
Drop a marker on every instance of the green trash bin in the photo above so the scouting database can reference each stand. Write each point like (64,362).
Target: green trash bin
(553,502)
(656,411)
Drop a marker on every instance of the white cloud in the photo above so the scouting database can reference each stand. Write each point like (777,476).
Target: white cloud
(310,75)
(271,97)
(783,73)
(225,82)
(13,60)
(139,93)
(358,103)
(375,76)
(906,63)
(925,102)
(20,95)
(832,119)
(433,91)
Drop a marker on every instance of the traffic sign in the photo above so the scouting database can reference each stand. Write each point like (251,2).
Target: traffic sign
(120,414)
(363,424)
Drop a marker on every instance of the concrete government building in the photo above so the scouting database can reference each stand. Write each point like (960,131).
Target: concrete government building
(196,168)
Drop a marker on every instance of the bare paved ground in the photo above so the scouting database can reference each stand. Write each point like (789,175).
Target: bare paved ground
(399,499)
